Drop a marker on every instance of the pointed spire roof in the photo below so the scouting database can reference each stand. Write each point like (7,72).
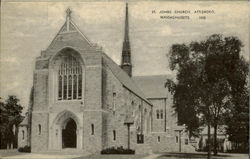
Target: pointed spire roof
(126,37)
(126,52)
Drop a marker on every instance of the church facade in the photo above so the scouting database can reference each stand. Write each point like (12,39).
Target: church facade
(83,100)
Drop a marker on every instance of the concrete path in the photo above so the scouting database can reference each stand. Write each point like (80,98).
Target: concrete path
(42,156)
(152,156)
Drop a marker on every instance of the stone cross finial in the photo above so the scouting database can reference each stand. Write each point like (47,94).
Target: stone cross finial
(68,12)
(68,17)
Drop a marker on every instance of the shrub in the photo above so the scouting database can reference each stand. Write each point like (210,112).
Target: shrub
(24,149)
(118,150)
(20,149)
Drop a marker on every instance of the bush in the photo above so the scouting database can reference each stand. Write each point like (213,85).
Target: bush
(20,149)
(118,150)
(24,149)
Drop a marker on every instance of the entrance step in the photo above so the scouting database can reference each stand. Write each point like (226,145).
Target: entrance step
(67,151)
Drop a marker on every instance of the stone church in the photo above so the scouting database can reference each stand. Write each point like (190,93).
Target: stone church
(81,99)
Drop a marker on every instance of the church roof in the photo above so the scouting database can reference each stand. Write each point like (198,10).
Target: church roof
(25,121)
(124,78)
(153,86)
(69,27)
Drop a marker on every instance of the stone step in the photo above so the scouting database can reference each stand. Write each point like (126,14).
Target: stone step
(66,151)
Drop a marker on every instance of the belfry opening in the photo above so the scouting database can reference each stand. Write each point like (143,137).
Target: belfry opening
(69,134)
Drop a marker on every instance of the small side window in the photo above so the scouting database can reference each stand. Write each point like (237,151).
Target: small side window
(159,139)
(176,139)
(186,141)
(161,114)
(157,114)
(92,129)
(39,129)
(114,135)
(23,134)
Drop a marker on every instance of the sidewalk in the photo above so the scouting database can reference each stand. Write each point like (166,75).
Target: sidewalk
(41,156)
(14,154)
(152,156)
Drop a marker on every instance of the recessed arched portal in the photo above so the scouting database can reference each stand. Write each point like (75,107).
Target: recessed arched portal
(69,136)
(66,131)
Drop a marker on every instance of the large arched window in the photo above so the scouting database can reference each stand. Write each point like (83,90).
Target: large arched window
(69,79)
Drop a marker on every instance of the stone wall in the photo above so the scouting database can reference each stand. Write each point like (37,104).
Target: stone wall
(92,142)
(47,107)
(169,120)
(164,142)
(22,136)
(158,124)
(39,138)
(115,110)
(118,102)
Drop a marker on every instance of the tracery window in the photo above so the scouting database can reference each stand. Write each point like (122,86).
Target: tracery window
(70,79)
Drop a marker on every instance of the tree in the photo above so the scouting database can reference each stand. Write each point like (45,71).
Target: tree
(238,118)
(10,117)
(204,87)
(3,121)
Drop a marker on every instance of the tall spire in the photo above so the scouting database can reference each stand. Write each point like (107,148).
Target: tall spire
(126,37)
(126,52)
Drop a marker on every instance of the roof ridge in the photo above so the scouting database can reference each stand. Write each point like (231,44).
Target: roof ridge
(140,94)
(61,31)
(72,22)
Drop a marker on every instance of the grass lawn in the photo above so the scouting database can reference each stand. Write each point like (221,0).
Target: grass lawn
(201,156)
(99,156)
(12,152)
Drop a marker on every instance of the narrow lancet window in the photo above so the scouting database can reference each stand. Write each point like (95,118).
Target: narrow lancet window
(92,129)
(114,135)
(23,134)
(60,88)
(65,87)
(70,87)
(74,86)
(157,114)
(39,129)
(80,86)
(161,114)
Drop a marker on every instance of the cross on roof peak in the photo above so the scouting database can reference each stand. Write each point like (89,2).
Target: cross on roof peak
(68,12)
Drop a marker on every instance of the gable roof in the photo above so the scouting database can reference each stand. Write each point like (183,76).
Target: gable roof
(153,86)
(25,121)
(72,29)
(123,77)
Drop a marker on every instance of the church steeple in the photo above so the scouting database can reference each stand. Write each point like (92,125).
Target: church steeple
(126,52)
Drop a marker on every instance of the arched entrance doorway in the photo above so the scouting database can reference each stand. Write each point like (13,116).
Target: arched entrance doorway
(66,131)
(69,134)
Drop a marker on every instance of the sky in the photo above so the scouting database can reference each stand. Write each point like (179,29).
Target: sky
(27,28)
